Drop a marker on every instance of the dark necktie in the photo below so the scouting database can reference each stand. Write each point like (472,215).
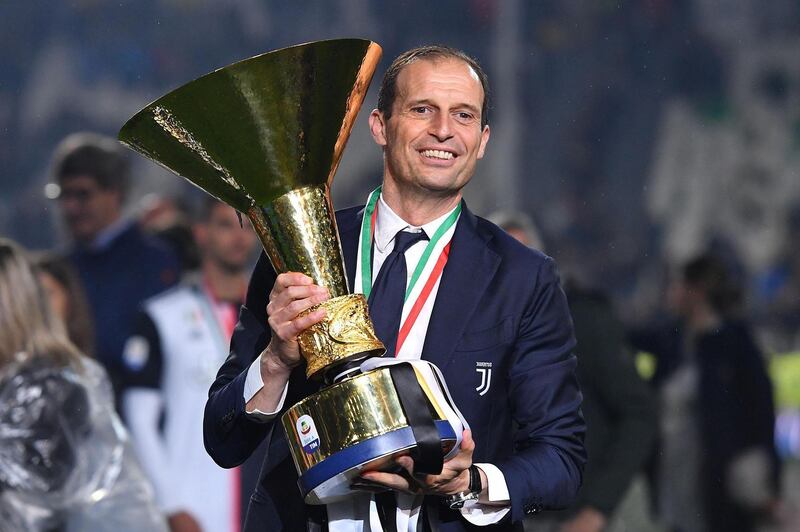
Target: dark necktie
(389,290)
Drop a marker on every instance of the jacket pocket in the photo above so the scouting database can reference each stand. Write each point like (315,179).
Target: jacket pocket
(486,338)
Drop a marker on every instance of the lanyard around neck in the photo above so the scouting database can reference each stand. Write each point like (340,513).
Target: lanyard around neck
(368,232)
(225,315)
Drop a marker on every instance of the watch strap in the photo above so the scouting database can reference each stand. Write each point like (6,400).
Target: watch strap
(475,484)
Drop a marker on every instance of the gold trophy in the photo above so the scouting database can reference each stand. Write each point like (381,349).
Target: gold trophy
(266,135)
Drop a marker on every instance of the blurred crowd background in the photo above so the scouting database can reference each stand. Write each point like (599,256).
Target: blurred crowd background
(636,135)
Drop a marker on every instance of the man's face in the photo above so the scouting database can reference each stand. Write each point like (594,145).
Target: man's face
(87,207)
(434,136)
(222,241)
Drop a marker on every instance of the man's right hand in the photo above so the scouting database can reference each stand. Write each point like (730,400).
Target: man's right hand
(292,294)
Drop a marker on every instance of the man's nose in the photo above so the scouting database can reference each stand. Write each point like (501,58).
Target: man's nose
(441,127)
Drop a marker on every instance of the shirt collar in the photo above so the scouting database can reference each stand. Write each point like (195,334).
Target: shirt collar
(388,223)
(105,237)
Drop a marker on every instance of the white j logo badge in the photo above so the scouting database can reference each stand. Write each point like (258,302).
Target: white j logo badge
(484,369)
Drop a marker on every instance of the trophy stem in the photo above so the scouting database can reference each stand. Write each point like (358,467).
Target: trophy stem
(298,231)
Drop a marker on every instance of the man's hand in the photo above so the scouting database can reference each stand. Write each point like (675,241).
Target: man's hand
(454,477)
(587,520)
(291,294)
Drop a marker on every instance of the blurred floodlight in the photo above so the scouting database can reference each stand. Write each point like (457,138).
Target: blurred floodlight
(52,191)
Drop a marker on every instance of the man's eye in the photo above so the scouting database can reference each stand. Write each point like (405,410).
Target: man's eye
(465,117)
(420,110)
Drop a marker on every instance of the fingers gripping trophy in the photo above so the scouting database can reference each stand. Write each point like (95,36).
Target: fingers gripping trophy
(266,135)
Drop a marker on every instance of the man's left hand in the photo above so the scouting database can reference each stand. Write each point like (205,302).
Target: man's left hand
(454,477)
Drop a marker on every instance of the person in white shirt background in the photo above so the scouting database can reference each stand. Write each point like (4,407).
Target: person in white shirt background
(181,338)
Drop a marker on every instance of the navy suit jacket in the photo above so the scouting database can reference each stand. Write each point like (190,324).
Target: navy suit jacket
(499,303)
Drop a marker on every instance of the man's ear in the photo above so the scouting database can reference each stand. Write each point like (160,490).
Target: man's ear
(377,126)
(484,141)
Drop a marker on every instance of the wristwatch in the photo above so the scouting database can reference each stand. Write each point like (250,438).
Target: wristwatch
(474,489)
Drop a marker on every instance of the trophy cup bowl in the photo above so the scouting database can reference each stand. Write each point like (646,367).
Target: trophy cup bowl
(265,135)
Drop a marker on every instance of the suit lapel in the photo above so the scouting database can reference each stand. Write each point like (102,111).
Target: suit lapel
(470,268)
(349,224)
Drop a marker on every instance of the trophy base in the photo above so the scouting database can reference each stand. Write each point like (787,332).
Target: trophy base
(355,425)
(329,481)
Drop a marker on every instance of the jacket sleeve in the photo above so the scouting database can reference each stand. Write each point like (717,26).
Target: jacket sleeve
(230,435)
(545,470)
(143,402)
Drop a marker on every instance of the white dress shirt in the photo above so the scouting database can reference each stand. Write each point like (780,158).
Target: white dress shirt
(361,511)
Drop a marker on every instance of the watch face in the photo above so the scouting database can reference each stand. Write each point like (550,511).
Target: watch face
(455,504)
(459,499)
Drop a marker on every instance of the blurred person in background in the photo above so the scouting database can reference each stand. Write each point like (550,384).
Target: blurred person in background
(619,408)
(65,460)
(180,340)
(167,218)
(716,469)
(68,299)
(520,226)
(119,265)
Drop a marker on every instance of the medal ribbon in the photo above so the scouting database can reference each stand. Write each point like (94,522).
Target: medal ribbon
(367,234)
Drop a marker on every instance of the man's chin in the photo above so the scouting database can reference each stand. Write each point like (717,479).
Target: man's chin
(441,187)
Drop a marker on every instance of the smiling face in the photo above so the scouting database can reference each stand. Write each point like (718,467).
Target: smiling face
(434,136)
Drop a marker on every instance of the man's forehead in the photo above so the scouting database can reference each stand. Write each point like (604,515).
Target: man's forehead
(220,210)
(444,60)
(403,80)
(79,180)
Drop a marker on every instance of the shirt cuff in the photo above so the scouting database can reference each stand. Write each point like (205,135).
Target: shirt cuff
(497,490)
(252,385)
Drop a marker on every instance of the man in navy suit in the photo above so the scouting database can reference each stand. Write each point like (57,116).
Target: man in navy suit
(491,315)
